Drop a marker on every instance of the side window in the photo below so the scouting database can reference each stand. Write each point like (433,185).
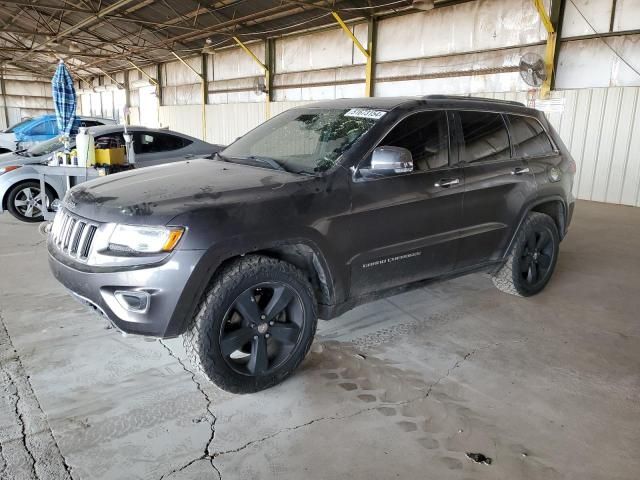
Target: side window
(426,136)
(485,137)
(528,136)
(90,123)
(157,142)
(111,140)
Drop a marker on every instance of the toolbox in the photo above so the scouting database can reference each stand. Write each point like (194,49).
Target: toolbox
(110,156)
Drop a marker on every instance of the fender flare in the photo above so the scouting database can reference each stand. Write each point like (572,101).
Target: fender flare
(528,207)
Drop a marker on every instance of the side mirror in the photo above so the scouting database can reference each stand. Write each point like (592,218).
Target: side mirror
(388,161)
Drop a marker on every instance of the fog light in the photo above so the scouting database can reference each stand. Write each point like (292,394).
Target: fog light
(132,300)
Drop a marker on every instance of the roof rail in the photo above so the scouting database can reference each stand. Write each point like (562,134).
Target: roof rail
(469,98)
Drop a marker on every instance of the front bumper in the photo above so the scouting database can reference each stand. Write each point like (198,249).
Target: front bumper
(168,285)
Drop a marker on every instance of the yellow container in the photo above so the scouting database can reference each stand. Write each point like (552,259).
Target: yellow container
(110,156)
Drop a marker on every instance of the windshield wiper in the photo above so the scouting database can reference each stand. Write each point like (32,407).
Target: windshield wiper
(264,160)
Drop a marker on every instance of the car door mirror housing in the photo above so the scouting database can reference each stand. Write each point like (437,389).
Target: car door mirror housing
(387,161)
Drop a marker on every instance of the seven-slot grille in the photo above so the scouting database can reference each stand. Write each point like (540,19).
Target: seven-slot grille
(73,235)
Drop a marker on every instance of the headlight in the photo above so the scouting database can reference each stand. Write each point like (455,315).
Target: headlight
(134,239)
(8,169)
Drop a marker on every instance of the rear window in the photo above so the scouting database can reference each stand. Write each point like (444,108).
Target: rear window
(485,137)
(151,142)
(529,138)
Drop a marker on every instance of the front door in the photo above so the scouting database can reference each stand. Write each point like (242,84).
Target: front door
(497,185)
(404,227)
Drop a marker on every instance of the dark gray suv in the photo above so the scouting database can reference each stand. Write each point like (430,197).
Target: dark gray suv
(317,210)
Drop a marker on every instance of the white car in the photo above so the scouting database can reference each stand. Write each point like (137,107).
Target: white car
(20,184)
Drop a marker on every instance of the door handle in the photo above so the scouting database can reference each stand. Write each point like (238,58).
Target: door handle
(446,182)
(520,170)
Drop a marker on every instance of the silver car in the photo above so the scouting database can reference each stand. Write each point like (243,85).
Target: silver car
(20,184)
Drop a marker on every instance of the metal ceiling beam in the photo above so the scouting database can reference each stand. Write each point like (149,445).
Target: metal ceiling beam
(45,6)
(85,22)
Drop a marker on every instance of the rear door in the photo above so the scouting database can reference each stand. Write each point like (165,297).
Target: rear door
(404,227)
(497,184)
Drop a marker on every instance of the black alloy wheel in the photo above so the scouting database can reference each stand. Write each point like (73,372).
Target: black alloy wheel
(532,257)
(262,328)
(254,325)
(537,255)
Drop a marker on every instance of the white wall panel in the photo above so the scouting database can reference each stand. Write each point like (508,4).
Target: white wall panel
(483,24)
(596,13)
(627,15)
(591,63)
(327,49)
(236,63)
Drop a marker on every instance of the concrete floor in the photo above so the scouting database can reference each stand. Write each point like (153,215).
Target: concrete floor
(547,387)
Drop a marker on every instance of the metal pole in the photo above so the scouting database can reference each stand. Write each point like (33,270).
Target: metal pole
(269,73)
(370,74)
(3,92)
(205,95)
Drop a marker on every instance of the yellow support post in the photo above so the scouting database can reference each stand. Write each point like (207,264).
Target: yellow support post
(366,52)
(267,73)
(203,84)
(550,50)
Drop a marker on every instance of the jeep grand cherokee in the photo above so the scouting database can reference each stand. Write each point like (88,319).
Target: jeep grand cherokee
(315,211)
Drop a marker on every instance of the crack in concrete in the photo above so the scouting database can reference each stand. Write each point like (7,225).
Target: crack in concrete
(13,357)
(21,424)
(211,420)
(428,391)
(211,457)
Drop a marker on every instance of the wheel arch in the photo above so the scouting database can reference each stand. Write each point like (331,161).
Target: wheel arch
(302,253)
(554,206)
(8,191)
(556,209)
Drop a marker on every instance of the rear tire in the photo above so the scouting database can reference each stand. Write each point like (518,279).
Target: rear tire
(22,201)
(532,258)
(254,325)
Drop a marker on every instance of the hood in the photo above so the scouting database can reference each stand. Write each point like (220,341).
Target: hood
(155,195)
(11,158)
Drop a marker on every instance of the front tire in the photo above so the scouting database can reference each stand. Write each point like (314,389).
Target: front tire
(532,258)
(254,326)
(23,202)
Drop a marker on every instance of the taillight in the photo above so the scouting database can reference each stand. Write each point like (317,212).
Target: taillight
(572,166)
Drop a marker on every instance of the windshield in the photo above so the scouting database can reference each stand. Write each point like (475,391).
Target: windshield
(45,148)
(18,125)
(303,140)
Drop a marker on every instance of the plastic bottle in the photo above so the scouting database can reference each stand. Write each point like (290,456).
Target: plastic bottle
(86,148)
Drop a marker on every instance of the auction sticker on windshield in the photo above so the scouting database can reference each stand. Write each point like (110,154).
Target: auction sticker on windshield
(365,113)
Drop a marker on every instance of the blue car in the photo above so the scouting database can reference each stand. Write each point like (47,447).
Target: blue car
(28,133)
